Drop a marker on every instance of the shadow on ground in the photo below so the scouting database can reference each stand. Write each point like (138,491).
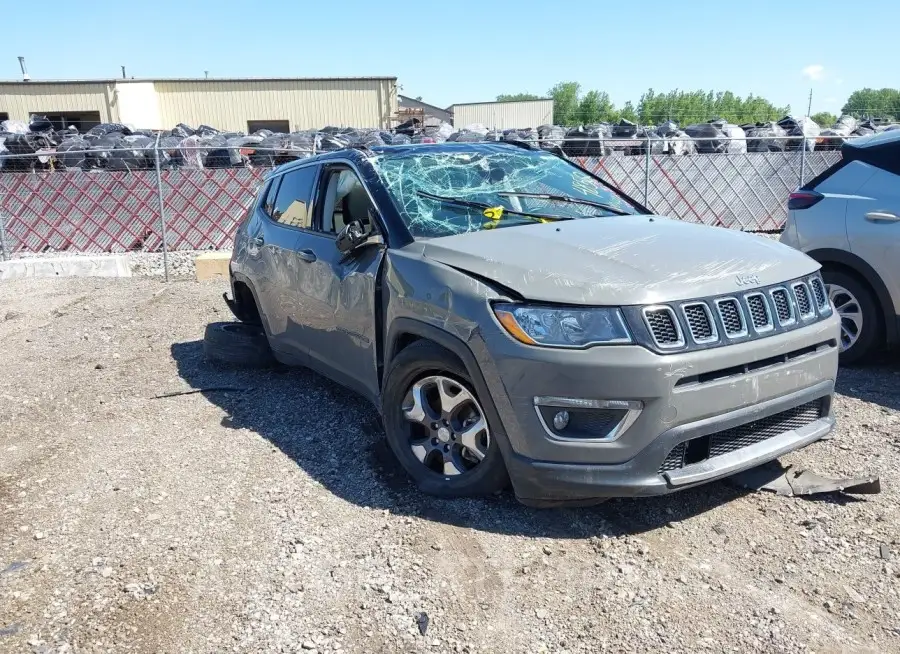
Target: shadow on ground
(876,381)
(336,437)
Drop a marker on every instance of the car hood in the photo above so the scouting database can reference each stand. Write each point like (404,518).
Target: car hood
(620,260)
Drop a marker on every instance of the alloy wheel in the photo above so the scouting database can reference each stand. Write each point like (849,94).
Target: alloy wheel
(850,312)
(448,431)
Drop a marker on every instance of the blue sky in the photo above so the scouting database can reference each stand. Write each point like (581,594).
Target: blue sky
(465,51)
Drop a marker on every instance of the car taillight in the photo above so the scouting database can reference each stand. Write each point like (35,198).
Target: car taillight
(803,199)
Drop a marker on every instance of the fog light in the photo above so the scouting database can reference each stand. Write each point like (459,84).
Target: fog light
(561,420)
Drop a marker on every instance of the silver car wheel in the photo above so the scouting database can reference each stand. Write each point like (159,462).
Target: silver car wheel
(850,312)
(448,431)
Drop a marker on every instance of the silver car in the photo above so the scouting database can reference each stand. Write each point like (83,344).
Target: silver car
(514,318)
(848,219)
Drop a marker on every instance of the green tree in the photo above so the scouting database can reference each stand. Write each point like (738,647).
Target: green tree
(517,97)
(874,103)
(566,103)
(596,107)
(628,112)
(687,107)
(824,119)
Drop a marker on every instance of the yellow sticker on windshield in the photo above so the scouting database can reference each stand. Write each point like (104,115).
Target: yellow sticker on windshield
(494,213)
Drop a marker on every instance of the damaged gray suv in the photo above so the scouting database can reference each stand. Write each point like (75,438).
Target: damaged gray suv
(516,319)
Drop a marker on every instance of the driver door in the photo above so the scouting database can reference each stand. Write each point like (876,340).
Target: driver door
(341,287)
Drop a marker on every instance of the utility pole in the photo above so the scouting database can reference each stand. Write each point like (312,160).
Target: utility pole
(809,107)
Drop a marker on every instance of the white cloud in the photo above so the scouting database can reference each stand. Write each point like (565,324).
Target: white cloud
(814,72)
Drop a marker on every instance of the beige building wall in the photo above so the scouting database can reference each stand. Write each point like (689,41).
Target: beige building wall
(137,104)
(504,115)
(306,104)
(225,104)
(20,99)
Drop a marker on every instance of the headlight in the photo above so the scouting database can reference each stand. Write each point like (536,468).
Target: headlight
(562,327)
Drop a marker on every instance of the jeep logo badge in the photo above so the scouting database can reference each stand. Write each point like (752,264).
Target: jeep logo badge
(746,280)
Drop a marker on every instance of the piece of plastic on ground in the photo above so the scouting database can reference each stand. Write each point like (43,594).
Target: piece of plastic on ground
(787,481)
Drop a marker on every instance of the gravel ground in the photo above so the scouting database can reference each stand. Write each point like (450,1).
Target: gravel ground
(268,518)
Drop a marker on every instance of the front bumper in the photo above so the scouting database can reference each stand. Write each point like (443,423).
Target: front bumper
(640,476)
(684,397)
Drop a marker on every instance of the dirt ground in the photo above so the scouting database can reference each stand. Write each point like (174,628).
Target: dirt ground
(264,515)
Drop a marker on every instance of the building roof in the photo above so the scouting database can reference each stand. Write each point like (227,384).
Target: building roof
(117,80)
(470,104)
(407,99)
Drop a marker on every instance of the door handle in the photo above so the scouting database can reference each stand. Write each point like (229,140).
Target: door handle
(307,255)
(882,217)
(258,241)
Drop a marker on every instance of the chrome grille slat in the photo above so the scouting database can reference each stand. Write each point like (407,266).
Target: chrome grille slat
(804,303)
(664,327)
(759,312)
(700,322)
(818,289)
(784,308)
(732,317)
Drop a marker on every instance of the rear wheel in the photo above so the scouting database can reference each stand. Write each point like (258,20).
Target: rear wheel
(436,425)
(854,302)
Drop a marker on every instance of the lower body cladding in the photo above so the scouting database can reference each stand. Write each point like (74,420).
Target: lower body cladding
(621,421)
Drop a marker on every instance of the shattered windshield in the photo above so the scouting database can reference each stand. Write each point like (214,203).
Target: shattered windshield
(441,190)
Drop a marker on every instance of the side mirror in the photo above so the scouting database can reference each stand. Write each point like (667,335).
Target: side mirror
(351,237)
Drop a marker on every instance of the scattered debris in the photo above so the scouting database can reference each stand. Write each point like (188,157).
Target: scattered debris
(422,620)
(884,552)
(15,566)
(788,482)
(211,389)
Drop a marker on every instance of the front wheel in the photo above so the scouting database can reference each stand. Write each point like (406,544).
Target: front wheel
(855,304)
(436,426)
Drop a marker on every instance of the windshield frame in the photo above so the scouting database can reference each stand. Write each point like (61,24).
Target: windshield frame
(485,149)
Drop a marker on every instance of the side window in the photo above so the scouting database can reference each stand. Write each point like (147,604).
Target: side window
(292,199)
(268,200)
(345,200)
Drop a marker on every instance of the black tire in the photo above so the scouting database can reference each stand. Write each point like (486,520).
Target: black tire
(237,344)
(419,360)
(871,334)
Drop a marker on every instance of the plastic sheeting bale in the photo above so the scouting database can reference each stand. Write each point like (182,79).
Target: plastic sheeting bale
(587,141)
(206,130)
(765,137)
(182,131)
(624,129)
(467,136)
(668,128)
(709,138)
(109,128)
(804,127)
(551,137)
(14,127)
(679,143)
(737,139)
(403,139)
(409,128)
(40,125)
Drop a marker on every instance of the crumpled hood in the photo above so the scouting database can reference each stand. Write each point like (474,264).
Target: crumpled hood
(620,260)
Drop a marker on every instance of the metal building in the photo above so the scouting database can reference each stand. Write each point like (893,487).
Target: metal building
(280,104)
(504,115)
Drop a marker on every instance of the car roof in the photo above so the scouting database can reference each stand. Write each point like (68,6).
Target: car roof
(882,150)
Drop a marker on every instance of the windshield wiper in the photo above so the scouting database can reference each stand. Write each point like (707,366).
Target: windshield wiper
(482,205)
(566,198)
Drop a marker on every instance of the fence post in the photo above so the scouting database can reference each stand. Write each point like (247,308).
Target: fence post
(162,210)
(803,160)
(4,252)
(647,173)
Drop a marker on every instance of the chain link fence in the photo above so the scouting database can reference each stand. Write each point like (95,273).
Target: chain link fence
(47,207)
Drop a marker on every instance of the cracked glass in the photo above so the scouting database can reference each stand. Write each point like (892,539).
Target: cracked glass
(489,176)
